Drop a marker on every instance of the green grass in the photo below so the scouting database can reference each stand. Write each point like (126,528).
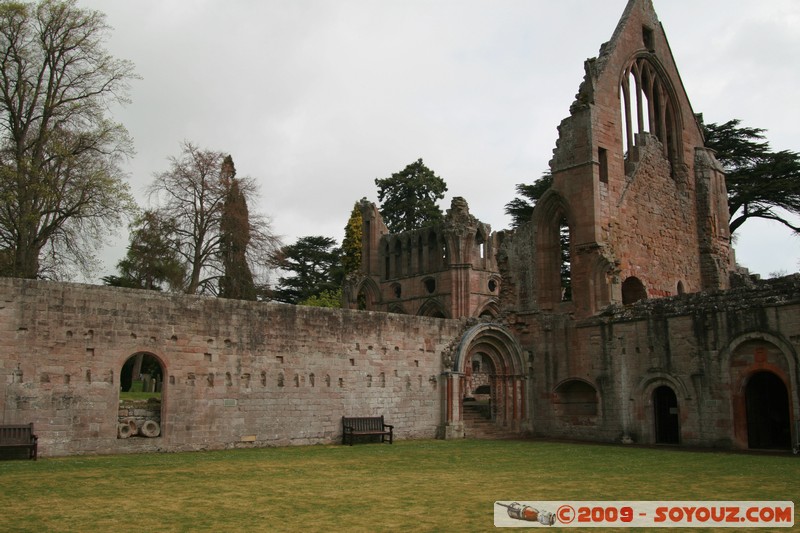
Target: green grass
(139,395)
(411,485)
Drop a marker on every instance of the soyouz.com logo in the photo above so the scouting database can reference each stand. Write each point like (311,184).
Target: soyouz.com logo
(734,514)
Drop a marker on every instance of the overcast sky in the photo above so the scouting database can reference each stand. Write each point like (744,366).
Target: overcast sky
(315,99)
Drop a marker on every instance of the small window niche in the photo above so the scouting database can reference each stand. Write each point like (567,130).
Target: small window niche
(648,39)
(602,160)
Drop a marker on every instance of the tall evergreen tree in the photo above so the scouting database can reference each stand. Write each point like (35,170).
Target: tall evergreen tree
(151,261)
(237,279)
(313,266)
(521,209)
(761,183)
(351,245)
(408,198)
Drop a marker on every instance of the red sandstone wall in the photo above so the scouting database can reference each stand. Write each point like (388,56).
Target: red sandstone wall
(63,347)
(704,347)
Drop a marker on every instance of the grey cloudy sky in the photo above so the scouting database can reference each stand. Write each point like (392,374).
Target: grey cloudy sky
(317,98)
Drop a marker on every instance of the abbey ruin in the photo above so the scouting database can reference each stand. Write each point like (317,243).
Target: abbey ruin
(651,337)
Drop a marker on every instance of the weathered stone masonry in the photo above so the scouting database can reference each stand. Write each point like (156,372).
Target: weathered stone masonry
(649,344)
(236,373)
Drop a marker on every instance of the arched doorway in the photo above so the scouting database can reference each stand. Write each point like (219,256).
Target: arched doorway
(141,391)
(487,367)
(767,405)
(665,416)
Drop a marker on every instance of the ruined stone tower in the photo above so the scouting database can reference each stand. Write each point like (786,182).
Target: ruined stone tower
(641,202)
(446,270)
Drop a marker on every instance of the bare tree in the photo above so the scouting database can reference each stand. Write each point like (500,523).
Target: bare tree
(192,194)
(61,187)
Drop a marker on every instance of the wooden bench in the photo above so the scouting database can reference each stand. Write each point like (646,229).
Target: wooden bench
(365,425)
(19,437)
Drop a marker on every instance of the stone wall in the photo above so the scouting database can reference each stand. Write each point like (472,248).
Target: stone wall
(235,373)
(705,347)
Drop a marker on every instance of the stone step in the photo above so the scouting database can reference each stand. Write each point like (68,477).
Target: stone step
(477,426)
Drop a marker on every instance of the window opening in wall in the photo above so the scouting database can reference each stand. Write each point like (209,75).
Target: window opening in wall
(564,238)
(646,107)
(141,388)
(430,285)
(633,290)
(398,259)
(386,262)
(647,38)
(433,257)
(480,244)
(602,160)
(492,285)
(397,290)
(680,288)
(367,250)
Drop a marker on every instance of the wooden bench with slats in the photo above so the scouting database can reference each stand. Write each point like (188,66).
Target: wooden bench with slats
(365,426)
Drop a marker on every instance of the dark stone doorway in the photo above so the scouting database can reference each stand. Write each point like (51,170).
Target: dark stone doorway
(767,402)
(665,416)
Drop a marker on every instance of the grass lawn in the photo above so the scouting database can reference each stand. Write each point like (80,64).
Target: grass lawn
(410,485)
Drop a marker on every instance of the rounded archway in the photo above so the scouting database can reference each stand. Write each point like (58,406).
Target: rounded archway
(488,372)
(633,290)
(767,411)
(140,396)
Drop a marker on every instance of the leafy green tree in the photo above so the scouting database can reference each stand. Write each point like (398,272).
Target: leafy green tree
(237,279)
(761,183)
(351,245)
(314,266)
(151,261)
(408,198)
(61,187)
(331,298)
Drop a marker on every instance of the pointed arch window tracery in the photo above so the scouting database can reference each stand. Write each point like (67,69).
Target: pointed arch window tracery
(647,106)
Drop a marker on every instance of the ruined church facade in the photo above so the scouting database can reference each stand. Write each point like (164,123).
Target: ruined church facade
(603,326)
(614,315)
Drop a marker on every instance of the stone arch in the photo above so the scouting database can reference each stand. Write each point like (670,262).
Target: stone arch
(137,415)
(432,308)
(602,278)
(548,215)
(368,295)
(489,310)
(645,397)
(647,91)
(752,353)
(397,308)
(577,401)
(633,290)
(508,380)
